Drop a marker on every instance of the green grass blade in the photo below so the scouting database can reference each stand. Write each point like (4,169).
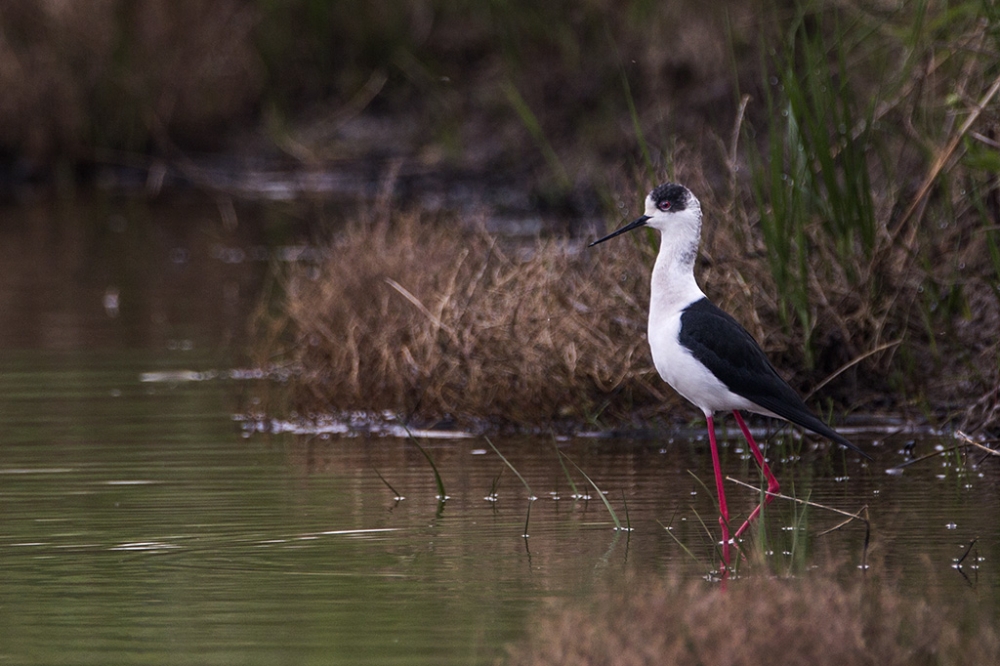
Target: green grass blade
(607,504)
(531,495)
(637,128)
(680,543)
(530,121)
(569,478)
(495,485)
(442,495)
(388,485)
(628,521)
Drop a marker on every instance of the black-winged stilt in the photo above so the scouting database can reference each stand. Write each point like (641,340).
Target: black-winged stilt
(702,352)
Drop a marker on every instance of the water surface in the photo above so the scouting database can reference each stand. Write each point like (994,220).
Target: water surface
(143,523)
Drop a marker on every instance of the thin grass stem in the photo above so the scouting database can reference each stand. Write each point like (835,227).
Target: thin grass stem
(569,478)
(531,495)
(607,504)
(397,496)
(681,544)
(442,496)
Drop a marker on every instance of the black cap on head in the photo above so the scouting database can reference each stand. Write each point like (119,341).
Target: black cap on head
(670,196)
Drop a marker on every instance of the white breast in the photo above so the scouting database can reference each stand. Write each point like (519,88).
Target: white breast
(679,368)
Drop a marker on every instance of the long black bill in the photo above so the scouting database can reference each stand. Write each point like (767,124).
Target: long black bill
(628,227)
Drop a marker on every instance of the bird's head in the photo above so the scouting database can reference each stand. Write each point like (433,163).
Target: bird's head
(668,206)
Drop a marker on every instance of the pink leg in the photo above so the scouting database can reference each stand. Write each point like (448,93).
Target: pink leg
(772,483)
(723,510)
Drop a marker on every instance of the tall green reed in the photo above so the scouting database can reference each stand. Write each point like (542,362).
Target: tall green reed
(814,168)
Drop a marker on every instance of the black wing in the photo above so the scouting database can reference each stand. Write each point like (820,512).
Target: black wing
(730,352)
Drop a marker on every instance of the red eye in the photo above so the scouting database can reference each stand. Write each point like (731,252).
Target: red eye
(664,206)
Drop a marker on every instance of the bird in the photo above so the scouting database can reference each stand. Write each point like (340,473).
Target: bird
(703,352)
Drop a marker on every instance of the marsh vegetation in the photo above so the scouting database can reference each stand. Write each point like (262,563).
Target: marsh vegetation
(846,152)
(815,620)
(847,157)
(851,224)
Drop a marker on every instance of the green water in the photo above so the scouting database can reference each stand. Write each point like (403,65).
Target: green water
(140,523)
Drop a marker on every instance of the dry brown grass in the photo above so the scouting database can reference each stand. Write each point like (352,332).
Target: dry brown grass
(416,314)
(430,319)
(423,317)
(808,622)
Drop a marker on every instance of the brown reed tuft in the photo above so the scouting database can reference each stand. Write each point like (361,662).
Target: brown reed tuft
(415,314)
(813,621)
(430,319)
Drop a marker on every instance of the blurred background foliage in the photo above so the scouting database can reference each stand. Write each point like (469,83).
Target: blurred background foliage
(462,81)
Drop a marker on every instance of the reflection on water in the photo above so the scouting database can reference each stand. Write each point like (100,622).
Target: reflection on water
(140,523)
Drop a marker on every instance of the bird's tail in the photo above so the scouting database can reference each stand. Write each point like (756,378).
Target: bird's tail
(810,422)
(800,415)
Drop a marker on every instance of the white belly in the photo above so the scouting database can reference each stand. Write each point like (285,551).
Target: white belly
(679,368)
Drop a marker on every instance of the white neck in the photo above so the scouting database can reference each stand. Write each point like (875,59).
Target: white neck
(673,286)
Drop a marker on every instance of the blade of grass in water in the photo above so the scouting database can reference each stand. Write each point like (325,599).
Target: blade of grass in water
(494,486)
(628,521)
(708,492)
(531,495)
(569,478)
(797,550)
(442,496)
(669,530)
(398,497)
(705,527)
(607,504)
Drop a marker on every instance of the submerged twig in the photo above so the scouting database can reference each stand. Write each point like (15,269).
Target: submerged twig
(966,442)
(932,454)
(851,516)
(971,442)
